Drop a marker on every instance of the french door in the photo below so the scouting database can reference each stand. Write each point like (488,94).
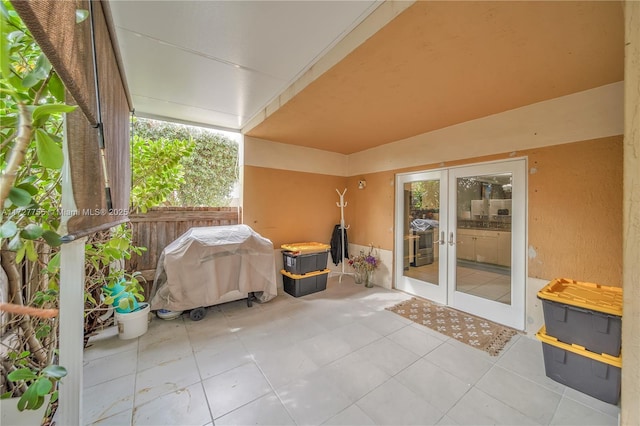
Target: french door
(461,238)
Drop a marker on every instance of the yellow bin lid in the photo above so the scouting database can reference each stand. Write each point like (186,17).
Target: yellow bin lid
(542,335)
(584,295)
(309,247)
(307,275)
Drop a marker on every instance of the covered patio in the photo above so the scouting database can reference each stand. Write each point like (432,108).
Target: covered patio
(331,94)
(335,357)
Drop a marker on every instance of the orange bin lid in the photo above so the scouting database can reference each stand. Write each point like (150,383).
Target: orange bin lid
(309,247)
(542,335)
(307,275)
(592,296)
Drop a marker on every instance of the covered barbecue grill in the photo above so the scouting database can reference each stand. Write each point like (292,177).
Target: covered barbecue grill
(210,265)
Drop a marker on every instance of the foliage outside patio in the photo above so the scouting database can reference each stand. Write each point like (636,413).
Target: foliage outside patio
(32,106)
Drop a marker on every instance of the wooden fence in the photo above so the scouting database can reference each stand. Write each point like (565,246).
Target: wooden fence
(160,226)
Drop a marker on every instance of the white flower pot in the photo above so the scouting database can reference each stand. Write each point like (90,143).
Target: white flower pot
(133,324)
(11,416)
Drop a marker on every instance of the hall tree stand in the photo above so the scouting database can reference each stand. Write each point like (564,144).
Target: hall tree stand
(342,204)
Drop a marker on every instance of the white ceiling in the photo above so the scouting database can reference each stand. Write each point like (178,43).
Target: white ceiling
(219,63)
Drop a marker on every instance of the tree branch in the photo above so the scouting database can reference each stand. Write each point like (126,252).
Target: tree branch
(9,265)
(16,156)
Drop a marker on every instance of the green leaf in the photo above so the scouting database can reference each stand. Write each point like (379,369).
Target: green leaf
(4,50)
(43,386)
(30,80)
(54,371)
(21,374)
(49,152)
(54,264)
(8,229)
(37,404)
(119,243)
(91,299)
(43,66)
(124,303)
(31,232)
(20,252)
(9,122)
(16,82)
(47,109)
(39,72)
(30,400)
(56,87)
(19,197)
(27,399)
(32,255)
(52,238)
(81,15)
(29,179)
(15,244)
(114,253)
(32,190)
(43,332)
(4,11)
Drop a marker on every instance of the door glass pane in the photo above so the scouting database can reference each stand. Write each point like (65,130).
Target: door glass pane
(421,230)
(483,243)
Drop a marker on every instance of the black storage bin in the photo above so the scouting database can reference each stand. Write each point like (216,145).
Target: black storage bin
(303,263)
(301,285)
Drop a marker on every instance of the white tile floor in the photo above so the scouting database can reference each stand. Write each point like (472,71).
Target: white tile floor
(336,358)
(475,281)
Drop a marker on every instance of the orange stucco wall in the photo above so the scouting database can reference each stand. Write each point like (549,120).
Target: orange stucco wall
(575,211)
(574,204)
(288,207)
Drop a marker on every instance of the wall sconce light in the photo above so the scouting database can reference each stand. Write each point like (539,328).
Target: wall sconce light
(362,184)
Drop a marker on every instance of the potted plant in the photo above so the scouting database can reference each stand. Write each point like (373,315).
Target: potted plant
(124,293)
(107,284)
(39,389)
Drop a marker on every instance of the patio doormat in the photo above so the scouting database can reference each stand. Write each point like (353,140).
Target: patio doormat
(474,331)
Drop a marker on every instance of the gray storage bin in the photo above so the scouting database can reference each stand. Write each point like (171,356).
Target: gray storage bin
(584,314)
(595,331)
(594,374)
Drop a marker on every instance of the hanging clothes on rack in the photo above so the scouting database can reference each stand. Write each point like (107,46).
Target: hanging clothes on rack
(339,243)
(336,245)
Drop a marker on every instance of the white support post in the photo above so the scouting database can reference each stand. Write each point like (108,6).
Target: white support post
(71,331)
(71,317)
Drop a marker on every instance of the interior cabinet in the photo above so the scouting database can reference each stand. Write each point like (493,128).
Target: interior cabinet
(504,248)
(486,247)
(465,248)
(478,245)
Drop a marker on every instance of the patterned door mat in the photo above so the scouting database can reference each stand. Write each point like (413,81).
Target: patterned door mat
(474,331)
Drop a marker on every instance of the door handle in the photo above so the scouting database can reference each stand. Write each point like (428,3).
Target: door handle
(451,242)
(441,241)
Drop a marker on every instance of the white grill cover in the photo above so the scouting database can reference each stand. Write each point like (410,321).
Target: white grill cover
(206,263)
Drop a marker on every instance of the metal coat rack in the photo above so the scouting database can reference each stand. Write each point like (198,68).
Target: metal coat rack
(342,204)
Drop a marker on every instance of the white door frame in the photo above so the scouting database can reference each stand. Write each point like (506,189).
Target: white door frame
(512,315)
(431,291)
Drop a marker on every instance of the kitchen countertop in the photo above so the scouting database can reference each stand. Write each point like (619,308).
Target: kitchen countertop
(502,224)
